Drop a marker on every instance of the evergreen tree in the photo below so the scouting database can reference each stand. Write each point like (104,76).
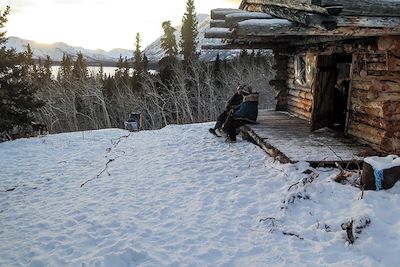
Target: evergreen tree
(47,68)
(120,68)
(217,65)
(39,70)
(28,66)
(65,71)
(100,75)
(189,32)
(3,20)
(145,63)
(17,96)
(137,64)
(80,68)
(168,41)
(125,67)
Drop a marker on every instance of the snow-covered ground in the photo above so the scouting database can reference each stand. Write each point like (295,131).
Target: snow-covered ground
(181,197)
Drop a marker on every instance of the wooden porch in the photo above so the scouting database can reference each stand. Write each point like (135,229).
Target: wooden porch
(288,139)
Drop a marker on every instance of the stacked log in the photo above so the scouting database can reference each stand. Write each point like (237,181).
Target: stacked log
(279,85)
(374,110)
(299,97)
(383,172)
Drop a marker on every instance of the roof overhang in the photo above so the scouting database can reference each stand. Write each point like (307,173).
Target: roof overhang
(296,22)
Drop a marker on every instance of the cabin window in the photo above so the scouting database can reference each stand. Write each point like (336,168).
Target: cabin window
(304,70)
(300,70)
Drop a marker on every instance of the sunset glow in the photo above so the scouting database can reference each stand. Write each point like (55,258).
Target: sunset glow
(98,23)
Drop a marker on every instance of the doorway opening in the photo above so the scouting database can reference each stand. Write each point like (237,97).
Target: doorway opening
(331,91)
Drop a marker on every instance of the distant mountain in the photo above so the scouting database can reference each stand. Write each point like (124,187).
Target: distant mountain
(154,52)
(56,51)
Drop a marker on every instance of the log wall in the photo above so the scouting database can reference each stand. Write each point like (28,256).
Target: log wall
(374,106)
(299,98)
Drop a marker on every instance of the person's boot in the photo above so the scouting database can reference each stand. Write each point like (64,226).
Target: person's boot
(212,130)
(231,139)
(220,132)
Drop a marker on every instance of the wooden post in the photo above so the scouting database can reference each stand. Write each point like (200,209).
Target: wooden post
(279,83)
(390,177)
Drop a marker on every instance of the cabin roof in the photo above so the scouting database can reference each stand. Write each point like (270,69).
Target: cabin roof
(279,23)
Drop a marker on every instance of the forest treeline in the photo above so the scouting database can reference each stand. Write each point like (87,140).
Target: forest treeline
(185,90)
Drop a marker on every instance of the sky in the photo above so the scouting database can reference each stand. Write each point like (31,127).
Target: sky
(98,24)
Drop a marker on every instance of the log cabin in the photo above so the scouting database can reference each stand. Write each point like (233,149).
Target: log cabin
(336,62)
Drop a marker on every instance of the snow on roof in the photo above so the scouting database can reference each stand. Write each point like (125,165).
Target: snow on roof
(249,15)
(218,30)
(266,22)
(383,163)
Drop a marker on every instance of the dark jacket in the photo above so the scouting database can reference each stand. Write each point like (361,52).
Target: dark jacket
(248,109)
(234,101)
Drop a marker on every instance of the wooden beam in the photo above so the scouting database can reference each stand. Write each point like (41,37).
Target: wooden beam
(289,41)
(243,4)
(390,43)
(220,13)
(385,8)
(220,33)
(241,46)
(327,2)
(234,18)
(281,27)
(305,5)
(304,17)
(218,23)
(368,22)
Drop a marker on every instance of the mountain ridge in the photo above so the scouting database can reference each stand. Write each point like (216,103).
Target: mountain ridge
(153,52)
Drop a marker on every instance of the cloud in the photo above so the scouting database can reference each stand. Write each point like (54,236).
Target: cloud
(234,1)
(17,5)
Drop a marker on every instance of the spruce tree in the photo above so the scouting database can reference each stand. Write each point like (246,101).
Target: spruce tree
(3,20)
(137,64)
(47,68)
(189,32)
(28,65)
(80,68)
(168,41)
(65,71)
(145,63)
(120,68)
(125,66)
(17,96)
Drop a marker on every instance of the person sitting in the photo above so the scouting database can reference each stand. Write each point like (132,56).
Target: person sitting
(232,103)
(247,112)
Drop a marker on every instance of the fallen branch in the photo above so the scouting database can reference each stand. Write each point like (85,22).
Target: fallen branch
(364,223)
(306,180)
(10,189)
(118,140)
(342,176)
(267,219)
(292,234)
(348,227)
(362,192)
(98,175)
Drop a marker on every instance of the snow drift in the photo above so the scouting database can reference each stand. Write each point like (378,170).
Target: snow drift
(180,196)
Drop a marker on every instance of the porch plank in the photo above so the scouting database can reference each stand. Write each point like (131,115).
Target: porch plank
(289,139)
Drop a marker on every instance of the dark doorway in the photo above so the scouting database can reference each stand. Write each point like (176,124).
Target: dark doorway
(331,91)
